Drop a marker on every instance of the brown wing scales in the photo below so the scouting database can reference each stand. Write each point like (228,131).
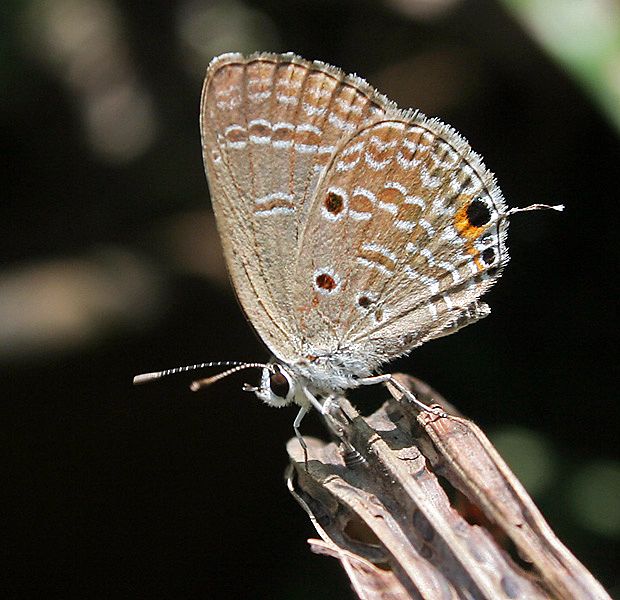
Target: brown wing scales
(409,224)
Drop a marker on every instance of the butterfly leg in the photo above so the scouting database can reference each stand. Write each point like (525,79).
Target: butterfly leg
(327,403)
(388,378)
(296,423)
(313,400)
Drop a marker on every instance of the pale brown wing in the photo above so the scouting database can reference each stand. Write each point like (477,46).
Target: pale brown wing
(270,124)
(405,233)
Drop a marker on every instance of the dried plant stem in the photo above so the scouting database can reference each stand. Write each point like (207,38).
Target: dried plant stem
(418,506)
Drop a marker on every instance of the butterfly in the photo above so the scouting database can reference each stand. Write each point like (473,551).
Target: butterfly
(353,231)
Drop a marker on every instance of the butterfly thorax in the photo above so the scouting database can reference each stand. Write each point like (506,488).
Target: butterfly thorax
(329,373)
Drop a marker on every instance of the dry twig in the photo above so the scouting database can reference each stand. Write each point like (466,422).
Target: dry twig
(418,506)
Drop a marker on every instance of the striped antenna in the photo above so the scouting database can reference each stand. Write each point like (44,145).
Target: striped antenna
(558,207)
(200,383)
(238,366)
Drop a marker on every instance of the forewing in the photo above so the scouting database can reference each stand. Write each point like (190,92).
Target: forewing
(270,124)
(405,234)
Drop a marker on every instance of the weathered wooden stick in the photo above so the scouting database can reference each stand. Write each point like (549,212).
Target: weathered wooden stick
(415,505)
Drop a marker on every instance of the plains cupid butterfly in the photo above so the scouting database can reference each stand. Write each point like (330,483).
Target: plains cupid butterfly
(353,231)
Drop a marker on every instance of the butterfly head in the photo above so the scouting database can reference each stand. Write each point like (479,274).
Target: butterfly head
(277,386)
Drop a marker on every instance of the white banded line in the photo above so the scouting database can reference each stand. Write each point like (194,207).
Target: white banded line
(229,90)
(406,163)
(372,247)
(429,180)
(410,145)
(428,255)
(374,164)
(362,215)
(388,206)
(343,167)
(411,248)
(451,235)
(375,265)
(276,210)
(427,226)
(288,84)
(417,130)
(359,215)
(259,96)
(380,144)
(234,127)
(456,276)
(326,149)
(398,125)
(284,99)
(261,140)
(353,148)
(433,310)
(228,104)
(427,137)
(466,259)
(408,226)
(258,81)
(404,191)
(474,188)
(356,110)
(367,121)
(448,301)
(240,145)
(455,184)
(263,122)
(274,196)
(414,275)
(438,207)
(336,121)
(394,185)
(314,149)
(307,127)
(318,92)
(449,159)
(283,125)
(360,191)
(467,173)
(313,110)
(267,139)
(415,200)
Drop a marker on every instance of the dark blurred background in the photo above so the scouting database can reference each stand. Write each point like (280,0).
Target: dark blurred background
(111,267)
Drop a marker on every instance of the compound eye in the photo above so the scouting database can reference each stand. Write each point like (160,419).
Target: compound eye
(279,384)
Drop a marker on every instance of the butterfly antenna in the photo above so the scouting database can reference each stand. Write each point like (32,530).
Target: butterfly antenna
(512,211)
(196,385)
(238,365)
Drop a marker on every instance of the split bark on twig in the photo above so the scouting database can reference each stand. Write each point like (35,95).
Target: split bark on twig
(419,506)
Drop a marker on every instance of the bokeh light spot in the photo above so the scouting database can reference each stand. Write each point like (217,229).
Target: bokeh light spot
(594,493)
(529,455)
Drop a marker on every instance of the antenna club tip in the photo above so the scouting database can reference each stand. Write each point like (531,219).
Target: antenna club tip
(195,386)
(558,207)
(145,378)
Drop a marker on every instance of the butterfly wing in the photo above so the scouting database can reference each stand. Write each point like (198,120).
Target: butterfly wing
(269,125)
(404,235)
